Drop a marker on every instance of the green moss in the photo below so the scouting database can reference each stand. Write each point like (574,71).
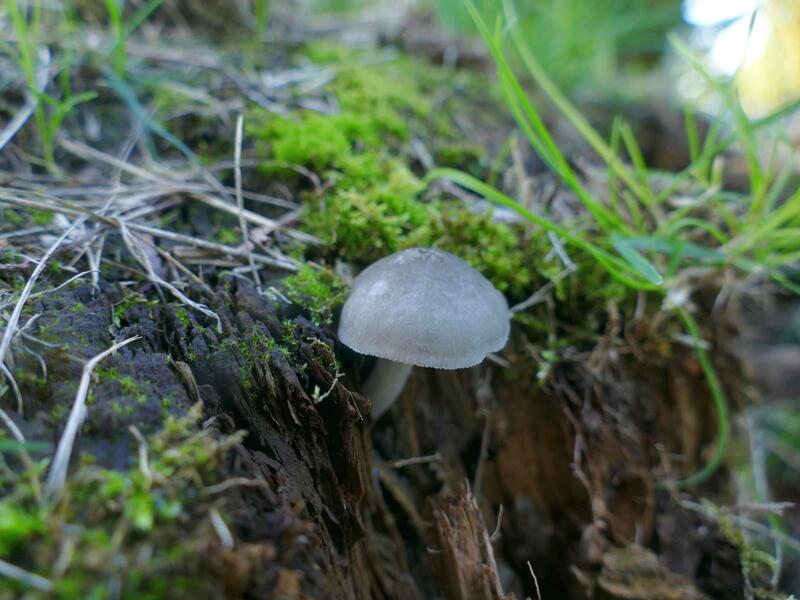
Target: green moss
(130,300)
(18,219)
(12,217)
(249,354)
(757,565)
(316,141)
(325,51)
(491,247)
(58,412)
(128,387)
(17,525)
(376,104)
(41,217)
(112,519)
(459,155)
(30,378)
(228,236)
(127,384)
(264,345)
(373,206)
(385,96)
(183,316)
(363,226)
(318,290)
(56,268)
(288,342)
(357,228)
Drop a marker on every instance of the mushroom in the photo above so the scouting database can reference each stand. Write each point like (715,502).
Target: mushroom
(422,307)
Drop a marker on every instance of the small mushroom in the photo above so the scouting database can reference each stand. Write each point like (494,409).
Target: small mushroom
(422,307)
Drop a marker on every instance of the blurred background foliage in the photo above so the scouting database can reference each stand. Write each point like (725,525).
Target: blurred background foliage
(586,42)
(596,47)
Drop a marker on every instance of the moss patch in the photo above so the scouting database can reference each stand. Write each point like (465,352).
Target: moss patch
(144,531)
(318,290)
(12,219)
(373,204)
(757,565)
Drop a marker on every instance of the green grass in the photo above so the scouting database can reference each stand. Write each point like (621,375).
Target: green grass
(119,56)
(56,100)
(635,234)
(260,15)
(121,29)
(585,43)
(51,108)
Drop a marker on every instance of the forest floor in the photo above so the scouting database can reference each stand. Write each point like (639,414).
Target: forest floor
(198,199)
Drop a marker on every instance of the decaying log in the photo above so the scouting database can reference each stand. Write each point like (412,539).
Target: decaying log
(298,496)
(327,515)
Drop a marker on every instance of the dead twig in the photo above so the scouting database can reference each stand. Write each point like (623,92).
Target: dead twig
(415,460)
(144,463)
(234,482)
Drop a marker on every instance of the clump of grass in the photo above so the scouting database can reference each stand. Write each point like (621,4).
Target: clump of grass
(634,234)
(50,109)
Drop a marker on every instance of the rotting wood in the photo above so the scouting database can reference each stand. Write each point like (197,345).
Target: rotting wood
(461,546)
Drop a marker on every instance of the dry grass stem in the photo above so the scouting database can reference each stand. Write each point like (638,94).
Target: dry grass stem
(221,529)
(54,484)
(24,577)
(237,171)
(11,323)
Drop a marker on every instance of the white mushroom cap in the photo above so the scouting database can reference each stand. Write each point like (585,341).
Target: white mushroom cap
(424,307)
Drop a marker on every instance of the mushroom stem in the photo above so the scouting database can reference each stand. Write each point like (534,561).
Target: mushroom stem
(384,385)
